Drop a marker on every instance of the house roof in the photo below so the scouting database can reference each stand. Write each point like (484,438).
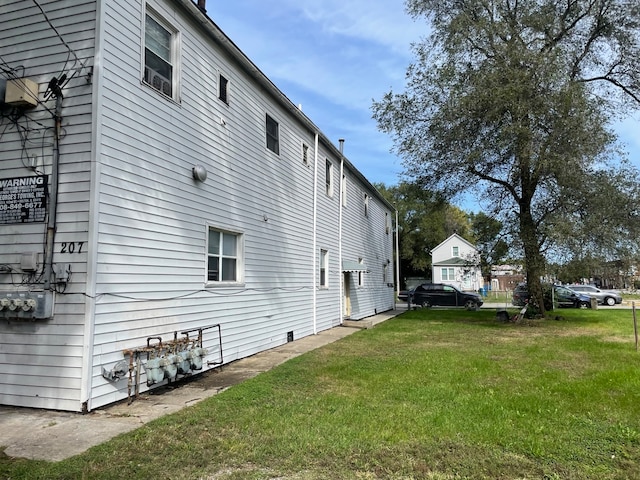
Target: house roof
(455,235)
(219,37)
(454,261)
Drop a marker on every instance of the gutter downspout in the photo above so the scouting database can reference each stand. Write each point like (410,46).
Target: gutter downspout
(341,274)
(314,254)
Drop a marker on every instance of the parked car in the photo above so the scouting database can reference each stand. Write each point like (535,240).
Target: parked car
(604,297)
(441,295)
(562,296)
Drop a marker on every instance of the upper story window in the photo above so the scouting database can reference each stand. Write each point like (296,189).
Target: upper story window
(305,154)
(160,55)
(455,251)
(223,89)
(273,136)
(223,256)
(387,226)
(366,205)
(329,178)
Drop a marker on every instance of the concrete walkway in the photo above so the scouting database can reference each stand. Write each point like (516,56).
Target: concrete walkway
(54,436)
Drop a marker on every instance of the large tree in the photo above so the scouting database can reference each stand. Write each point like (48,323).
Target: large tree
(512,100)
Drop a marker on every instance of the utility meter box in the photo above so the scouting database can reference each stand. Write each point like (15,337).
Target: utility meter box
(21,92)
(26,305)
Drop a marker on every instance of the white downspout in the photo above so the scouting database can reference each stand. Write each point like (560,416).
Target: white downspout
(341,275)
(314,254)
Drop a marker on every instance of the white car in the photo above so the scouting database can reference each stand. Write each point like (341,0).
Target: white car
(604,297)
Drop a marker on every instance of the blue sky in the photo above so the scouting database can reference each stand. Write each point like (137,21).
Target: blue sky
(334,57)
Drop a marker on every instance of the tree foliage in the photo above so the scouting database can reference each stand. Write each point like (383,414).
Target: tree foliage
(425,220)
(512,99)
(491,245)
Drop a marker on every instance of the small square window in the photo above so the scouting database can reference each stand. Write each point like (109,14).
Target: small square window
(223,256)
(456,251)
(223,89)
(273,138)
(160,56)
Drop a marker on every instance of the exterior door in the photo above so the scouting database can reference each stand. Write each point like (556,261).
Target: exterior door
(346,301)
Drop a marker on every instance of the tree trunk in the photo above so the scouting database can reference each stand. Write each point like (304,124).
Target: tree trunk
(534,261)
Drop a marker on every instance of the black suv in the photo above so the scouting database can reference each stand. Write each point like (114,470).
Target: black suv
(440,295)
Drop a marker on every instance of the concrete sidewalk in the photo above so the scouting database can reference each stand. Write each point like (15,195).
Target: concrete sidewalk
(54,436)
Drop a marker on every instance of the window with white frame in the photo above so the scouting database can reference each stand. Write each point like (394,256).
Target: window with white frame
(360,273)
(366,205)
(160,55)
(329,177)
(343,190)
(223,256)
(455,251)
(324,269)
(448,274)
(273,135)
(223,89)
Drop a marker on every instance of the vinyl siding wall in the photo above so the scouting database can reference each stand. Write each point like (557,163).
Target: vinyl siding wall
(41,362)
(153,216)
(145,219)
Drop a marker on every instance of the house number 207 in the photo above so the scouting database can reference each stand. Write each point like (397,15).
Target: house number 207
(72,247)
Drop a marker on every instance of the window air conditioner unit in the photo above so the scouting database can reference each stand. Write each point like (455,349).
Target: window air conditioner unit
(157,81)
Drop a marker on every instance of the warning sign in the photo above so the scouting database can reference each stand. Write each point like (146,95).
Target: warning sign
(23,199)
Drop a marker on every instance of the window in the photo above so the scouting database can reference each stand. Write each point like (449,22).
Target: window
(305,154)
(223,89)
(456,251)
(273,138)
(329,177)
(324,268)
(159,55)
(387,227)
(448,274)
(223,256)
(343,190)
(360,273)
(366,205)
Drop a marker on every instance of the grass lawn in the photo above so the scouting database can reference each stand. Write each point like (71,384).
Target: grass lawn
(432,394)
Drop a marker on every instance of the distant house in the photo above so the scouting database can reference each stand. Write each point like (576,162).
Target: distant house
(506,277)
(456,262)
(164,207)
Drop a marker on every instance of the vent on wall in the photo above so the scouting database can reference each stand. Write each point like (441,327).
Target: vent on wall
(157,81)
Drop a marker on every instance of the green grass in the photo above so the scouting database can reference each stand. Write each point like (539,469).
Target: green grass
(433,394)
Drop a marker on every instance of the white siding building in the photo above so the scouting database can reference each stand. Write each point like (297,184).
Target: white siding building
(457,262)
(181,213)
